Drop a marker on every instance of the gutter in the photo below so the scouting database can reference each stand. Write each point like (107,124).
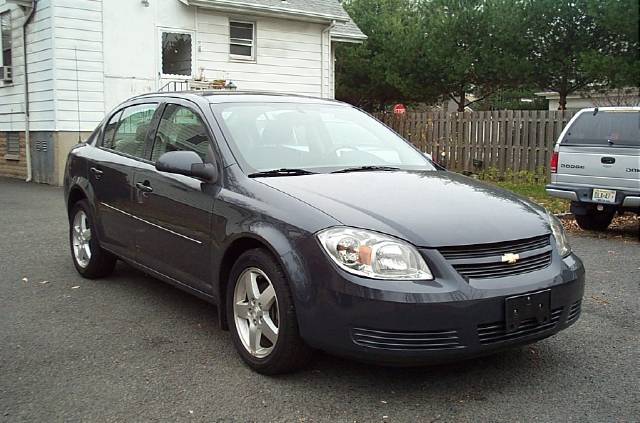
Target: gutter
(325,32)
(26,89)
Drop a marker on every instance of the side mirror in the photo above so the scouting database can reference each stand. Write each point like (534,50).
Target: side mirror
(187,163)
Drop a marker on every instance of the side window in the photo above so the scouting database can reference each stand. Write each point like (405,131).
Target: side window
(180,129)
(131,130)
(110,129)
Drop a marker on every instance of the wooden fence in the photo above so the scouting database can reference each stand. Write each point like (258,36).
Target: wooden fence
(505,143)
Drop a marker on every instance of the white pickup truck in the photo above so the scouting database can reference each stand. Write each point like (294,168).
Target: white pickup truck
(596,165)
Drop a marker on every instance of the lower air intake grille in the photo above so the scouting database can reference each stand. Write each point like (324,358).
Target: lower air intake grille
(574,312)
(490,333)
(407,341)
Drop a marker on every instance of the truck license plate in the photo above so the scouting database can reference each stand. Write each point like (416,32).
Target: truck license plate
(604,196)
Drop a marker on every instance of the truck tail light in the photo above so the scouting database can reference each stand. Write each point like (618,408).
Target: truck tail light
(554,162)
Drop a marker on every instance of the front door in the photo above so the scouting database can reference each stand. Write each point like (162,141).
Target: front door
(120,151)
(176,237)
(176,59)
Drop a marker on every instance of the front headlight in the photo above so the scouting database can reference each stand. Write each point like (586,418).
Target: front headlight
(373,255)
(558,233)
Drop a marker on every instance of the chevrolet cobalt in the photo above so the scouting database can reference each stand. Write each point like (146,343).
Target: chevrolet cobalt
(311,225)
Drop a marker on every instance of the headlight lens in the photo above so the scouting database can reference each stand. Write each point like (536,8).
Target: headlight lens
(374,255)
(558,233)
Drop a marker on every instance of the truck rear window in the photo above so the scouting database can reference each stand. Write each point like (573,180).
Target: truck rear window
(605,128)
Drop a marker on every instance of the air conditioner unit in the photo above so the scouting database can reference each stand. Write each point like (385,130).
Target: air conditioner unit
(6,73)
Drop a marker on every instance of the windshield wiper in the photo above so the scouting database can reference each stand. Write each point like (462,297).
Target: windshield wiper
(366,169)
(281,172)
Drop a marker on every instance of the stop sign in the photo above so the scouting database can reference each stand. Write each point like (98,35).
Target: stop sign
(399,109)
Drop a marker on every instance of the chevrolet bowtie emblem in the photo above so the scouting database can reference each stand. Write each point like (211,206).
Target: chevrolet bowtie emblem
(510,258)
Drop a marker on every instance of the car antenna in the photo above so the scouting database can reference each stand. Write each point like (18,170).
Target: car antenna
(595,111)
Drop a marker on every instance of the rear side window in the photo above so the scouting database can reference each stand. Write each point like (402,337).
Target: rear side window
(126,131)
(605,128)
(180,129)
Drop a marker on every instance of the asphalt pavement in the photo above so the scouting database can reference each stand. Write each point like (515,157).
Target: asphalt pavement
(130,348)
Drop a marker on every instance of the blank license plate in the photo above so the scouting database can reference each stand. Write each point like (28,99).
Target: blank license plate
(604,195)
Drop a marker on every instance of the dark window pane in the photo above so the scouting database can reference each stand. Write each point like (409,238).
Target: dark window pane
(621,128)
(109,130)
(240,50)
(176,54)
(5,38)
(241,30)
(132,129)
(180,130)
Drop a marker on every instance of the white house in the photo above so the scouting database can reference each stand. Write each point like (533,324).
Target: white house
(86,56)
(585,99)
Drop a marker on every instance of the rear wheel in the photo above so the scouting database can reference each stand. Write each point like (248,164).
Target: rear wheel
(90,260)
(595,220)
(262,316)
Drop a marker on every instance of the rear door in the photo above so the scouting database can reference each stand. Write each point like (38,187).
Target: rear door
(120,151)
(601,150)
(175,238)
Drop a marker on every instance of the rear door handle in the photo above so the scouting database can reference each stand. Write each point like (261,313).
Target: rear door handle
(608,160)
(144,187)
(96,172)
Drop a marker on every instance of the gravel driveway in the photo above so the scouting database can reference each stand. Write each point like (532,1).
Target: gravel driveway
(130,348)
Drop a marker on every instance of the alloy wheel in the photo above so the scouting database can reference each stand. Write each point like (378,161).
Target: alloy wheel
(255,309)
(80,237)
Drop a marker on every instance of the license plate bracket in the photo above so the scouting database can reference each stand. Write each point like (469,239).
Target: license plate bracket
(521,308)
(603,195)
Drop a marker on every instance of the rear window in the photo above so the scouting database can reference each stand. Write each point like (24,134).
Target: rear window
(605,128)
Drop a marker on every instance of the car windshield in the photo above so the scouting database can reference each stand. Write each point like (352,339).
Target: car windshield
(313,137)
(605,127)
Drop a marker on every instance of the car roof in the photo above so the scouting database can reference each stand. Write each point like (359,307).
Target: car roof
(612,109)
(217,96)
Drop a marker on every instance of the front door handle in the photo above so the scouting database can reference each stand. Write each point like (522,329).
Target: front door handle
(97,173)
(144,186)
(608,160)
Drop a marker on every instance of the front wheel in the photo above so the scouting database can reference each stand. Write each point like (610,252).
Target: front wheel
(89,259)
(262,316)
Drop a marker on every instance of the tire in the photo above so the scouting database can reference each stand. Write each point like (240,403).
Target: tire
(289,352)
(89,259)
(595,220)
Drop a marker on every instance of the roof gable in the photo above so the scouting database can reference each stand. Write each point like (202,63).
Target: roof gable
(309,10)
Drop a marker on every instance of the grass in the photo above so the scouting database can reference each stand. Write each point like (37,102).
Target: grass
(535,192)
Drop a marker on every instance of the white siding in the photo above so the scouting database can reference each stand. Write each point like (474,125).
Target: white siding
(78,64)
(40,63)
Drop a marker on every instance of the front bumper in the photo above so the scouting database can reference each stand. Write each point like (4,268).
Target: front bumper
(624,198)
(429,322)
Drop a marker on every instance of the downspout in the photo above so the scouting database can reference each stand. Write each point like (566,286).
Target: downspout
(26,88)
(325,31)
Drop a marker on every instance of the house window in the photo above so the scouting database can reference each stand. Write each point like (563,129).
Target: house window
(177,54)
(5,38)
(242,40)
(13,144)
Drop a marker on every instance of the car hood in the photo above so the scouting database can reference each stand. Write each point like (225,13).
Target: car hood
(428,209)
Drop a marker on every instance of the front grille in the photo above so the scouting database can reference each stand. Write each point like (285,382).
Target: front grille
(484,261)
(407,341)
(494,249)
(490,333)
(574,312)
(501,269)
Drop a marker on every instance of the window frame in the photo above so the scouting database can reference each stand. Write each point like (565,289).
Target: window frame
(153,126)
(253,44)
(192,34)
(6,13)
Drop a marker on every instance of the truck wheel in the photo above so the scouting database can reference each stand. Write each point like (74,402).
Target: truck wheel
(595,220)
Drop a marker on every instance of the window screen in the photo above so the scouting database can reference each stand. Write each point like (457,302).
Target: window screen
(176,54)
(242,39)
(13,143)
(5,38)
(605,128)
(180,129)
